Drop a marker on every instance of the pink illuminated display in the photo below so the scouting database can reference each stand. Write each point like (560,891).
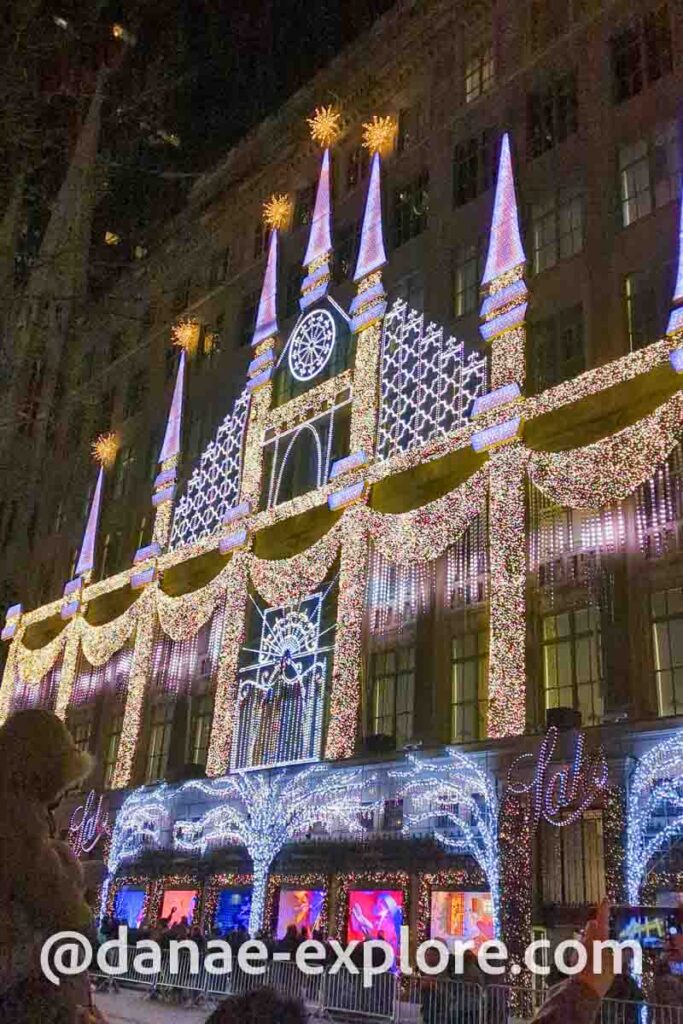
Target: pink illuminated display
(505,248)
(179,905)
(86,558)
(320,238)
(371,254)
(266,318)
(299,907)
(461,916)
(376,914)
(171,443)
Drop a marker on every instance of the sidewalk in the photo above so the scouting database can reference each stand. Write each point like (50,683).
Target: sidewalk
(128,1007)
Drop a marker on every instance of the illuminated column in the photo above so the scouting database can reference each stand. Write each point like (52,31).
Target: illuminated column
(674,328)
(325,130)
(369,305)
(69,665)
(507,601)
(505,295)
(236,599)
(345,697)
(137,688)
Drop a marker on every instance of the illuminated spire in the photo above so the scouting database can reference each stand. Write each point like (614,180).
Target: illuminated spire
(171,446)
(266,319)
(317,258)
(371,254)
(86,558)
(505,295)
(675,325)
(505,245)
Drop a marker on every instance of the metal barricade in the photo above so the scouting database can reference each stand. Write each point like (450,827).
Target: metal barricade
(346,993)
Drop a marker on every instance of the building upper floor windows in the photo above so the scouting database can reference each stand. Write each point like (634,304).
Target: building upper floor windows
(572,662)
(411,209)
(219,266)
(411,289)
(123,472)
(292,290)
(412,126)
(478,74)
(357,166)
(572,861)
(552,114)
(303,206)
(557,350)
(469,676)
(392,693)
(260,239)
(649,173)
(345,251)
(247,317)
(135,394)
(473,167)
(641,52)
(467,273)
(647,298)
(666,610)
(556,229)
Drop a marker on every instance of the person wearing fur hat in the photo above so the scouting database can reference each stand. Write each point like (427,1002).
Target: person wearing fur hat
(41,883)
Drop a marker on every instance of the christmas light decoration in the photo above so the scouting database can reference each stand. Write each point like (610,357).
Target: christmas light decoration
(324,125)
(614,842)
(311,344)
(277,212)
(457,800)
(306,880)
(186,334)
(266,316)
(675,324)
(214,486)
(516,860)
(212,888)
(507,599)
(264,811)
(428,385)
(319,249)
(654,809)
(105,449)
(610,469)
(452,878)
(379,134)
(368,880)
(505,293)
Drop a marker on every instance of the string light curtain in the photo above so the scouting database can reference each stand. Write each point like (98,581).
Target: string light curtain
(178,665)
(111,678)
(659,508)
(42,694)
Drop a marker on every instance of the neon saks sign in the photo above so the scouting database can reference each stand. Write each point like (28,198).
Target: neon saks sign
(88,824)
(560,797)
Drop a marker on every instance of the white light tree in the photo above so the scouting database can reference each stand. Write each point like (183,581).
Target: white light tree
(457,801)
(656,786)
(140,825)
(264,810)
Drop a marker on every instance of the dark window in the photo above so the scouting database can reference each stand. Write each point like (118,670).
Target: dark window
(411,208)
(248,317)
(647,298)
(649,173)
(357,167)
(260,239)
(181,296)
(159,742)
(123,473)
(557,348)
(135,394)
(556,229)
(293,291)
(116,346)
(34,386)
(410,288)
(303,206)
(641,53)
(346,249)
(547,20)
(411,127)
(111,746)
(472,167)
(201,717)
(478,74)
(218,267)
(552,114)
(467,274)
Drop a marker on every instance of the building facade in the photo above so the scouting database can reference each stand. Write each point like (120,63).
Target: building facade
(406,638)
